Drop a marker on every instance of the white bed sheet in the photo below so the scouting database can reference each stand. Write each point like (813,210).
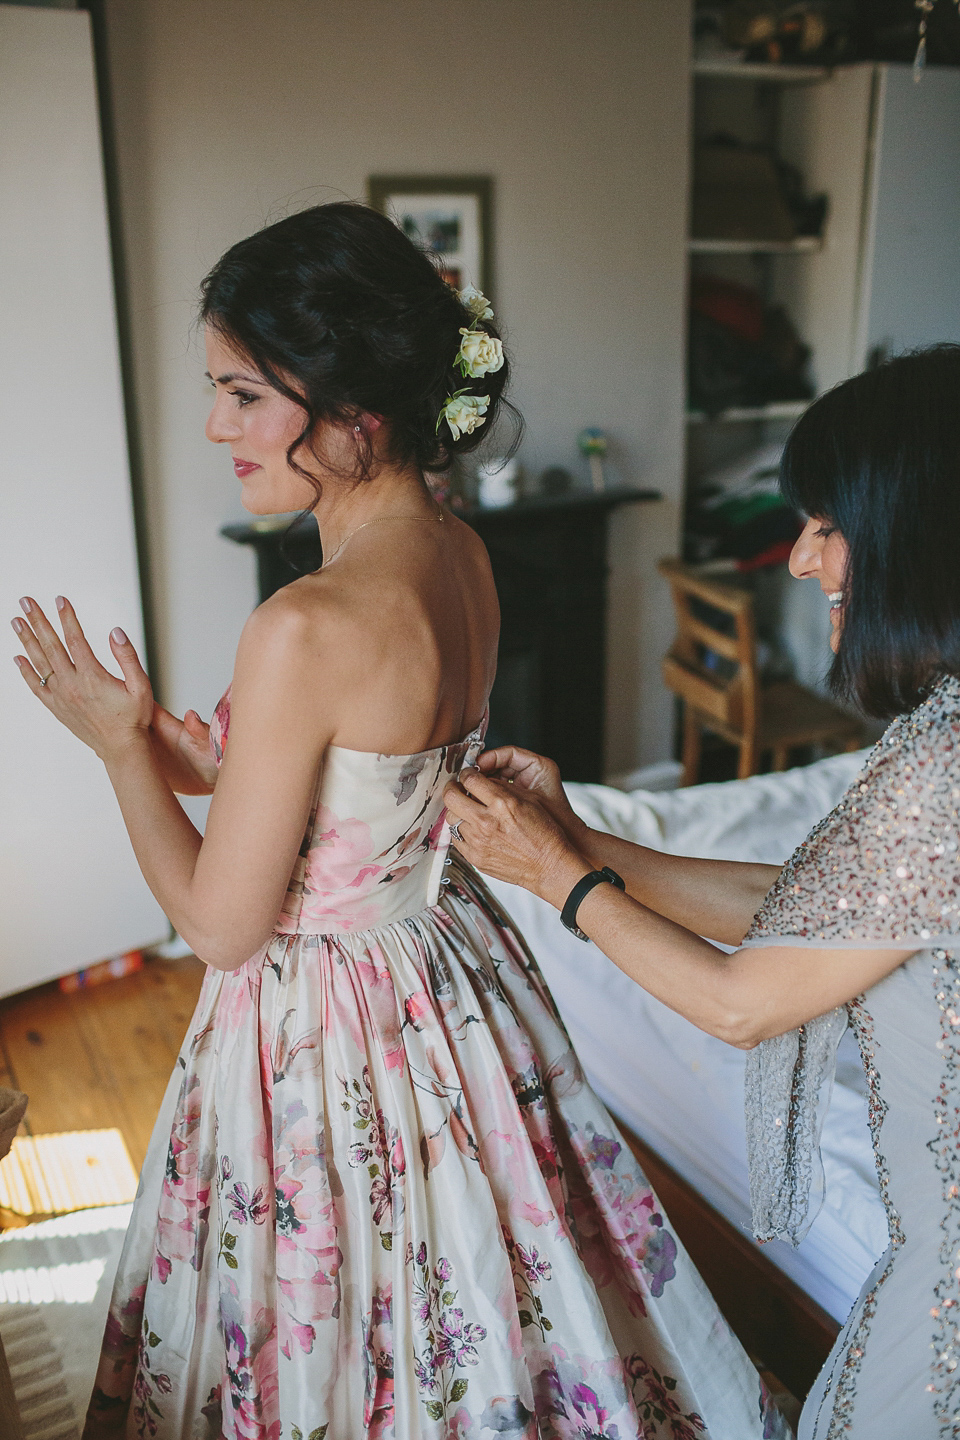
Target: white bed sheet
(680,1089)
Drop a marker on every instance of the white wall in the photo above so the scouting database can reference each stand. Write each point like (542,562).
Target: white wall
(914,279)
(231,112)
(70,890)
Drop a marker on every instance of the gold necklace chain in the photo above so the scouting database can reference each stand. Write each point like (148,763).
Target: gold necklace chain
(378,520)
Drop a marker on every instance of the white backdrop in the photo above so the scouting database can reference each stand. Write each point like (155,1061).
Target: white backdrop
(70,890)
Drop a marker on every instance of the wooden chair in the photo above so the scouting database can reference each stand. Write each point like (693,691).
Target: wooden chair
(712,667)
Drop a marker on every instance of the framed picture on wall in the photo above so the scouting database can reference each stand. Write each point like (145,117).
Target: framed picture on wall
(449,215)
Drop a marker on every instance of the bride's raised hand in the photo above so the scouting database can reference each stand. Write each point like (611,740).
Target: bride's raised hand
(183,748)
(535,775)
(105,712)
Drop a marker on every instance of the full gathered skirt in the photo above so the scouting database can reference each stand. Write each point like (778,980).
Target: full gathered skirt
(382,1201)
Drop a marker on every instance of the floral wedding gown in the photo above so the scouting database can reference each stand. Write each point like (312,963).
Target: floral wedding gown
(381,1202)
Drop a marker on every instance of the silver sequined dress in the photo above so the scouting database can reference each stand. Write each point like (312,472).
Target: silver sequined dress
(882,870)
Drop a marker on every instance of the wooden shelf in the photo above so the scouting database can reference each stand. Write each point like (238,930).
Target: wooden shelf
(802,245)
(779,74)
(743,414)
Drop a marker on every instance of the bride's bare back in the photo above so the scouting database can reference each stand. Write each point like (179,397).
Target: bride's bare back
(401,634)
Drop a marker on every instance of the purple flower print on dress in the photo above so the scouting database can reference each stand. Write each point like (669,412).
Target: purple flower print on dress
(530,1270)
(246,1206)
(308,1257)
(654,1397)
(380,1198)
(660,1257)
(507,1415)
(459,1339)
(148,1383)
(604,1150)
(251,1397)
(117,1372)
(448,1342)
(380,1152)
(773,1421)
(620,1231)
(585,1399)
(184,1210)
(378,1404)
(535,1267)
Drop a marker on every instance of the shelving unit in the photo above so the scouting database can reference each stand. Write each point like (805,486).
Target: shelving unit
(750,414)
(802,245)
(776,107)
(886,275)
(775,74)
(748,101)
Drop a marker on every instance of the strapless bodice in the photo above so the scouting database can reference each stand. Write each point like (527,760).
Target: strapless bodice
(376,838)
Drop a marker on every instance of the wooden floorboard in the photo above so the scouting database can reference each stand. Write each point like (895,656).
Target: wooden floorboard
(100,1057)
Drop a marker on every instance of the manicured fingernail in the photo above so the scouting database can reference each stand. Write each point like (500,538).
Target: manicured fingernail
(17,625)
(118,637)
(60,602)
(25,605)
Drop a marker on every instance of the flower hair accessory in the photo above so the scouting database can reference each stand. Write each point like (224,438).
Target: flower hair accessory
(479,354)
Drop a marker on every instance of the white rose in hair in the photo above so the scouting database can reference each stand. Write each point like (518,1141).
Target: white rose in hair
(476,302)
(465,413)
(479,353)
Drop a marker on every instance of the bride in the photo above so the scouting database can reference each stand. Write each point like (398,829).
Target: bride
(380,1199)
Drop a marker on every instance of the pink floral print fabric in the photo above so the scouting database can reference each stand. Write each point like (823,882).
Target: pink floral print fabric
(381,1202)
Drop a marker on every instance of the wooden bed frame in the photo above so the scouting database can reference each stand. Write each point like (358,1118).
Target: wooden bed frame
(776,1322)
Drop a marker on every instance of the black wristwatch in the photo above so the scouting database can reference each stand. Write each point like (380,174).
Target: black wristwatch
(581,890)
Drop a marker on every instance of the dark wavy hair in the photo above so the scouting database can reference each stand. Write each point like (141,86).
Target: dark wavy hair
(343,314)
(879,459)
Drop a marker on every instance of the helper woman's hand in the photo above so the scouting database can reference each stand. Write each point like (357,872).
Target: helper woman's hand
(537,778)
(106,713)
(507,832)
(183,749)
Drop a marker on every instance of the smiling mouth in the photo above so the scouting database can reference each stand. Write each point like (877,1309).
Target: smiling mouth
(244,467)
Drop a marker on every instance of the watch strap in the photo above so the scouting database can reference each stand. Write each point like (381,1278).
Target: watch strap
(580,891)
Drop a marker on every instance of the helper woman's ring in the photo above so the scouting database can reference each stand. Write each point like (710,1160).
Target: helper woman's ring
(454,829)
(45,678)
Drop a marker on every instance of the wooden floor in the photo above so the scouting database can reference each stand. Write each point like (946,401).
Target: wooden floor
(99,1057)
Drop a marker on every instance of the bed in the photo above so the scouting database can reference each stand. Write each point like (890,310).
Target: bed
(681,1091)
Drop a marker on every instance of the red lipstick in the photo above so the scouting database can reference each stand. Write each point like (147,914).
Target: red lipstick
(243,468)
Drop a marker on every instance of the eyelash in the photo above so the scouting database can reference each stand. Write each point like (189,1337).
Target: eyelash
(825,531)
(243,397)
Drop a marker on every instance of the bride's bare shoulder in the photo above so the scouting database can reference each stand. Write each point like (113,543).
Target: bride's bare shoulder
(306,620)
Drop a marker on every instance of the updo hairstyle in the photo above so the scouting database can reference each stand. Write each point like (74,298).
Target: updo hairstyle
(878,457)
(343,314)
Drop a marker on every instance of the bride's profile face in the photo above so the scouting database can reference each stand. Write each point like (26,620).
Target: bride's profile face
(259,424)
(821,554)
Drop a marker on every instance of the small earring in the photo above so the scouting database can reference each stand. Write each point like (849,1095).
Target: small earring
(357,428)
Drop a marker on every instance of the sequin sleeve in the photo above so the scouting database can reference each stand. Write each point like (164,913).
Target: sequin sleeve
(883,869)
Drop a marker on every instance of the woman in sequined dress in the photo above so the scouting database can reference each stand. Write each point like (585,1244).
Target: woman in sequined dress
(862,926)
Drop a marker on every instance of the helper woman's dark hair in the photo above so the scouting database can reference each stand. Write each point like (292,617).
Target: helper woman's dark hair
(878,458)
(337,301)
